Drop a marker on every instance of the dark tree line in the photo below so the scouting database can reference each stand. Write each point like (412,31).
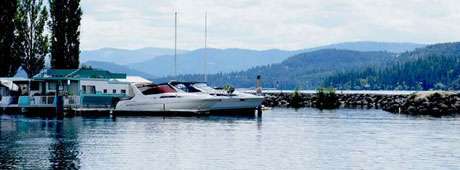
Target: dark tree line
(65,28)
(9,62)
(434,67)
(23,37)
(433,72)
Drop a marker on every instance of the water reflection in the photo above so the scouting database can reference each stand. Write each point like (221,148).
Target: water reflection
(38,142)
(259,123)
(8,157)
(228,118)
(281,139)
(64,149)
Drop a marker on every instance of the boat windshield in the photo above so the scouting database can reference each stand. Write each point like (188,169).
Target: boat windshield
(187,87)
(148,89)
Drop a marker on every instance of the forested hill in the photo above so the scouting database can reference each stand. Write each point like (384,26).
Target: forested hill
(433,67)
(370,46)
(305,70)
(444,49)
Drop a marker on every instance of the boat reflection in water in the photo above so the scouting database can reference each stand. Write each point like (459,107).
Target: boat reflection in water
(89,142)
(64,149)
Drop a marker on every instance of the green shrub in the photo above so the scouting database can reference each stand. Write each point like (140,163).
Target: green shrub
(296,99)
(326,98)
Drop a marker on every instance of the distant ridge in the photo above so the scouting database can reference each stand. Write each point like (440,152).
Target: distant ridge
(394,47)
(159,61)
(305,70)
(117,68)
(124,56)
(219,60)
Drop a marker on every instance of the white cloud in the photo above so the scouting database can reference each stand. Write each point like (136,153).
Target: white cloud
(264,24)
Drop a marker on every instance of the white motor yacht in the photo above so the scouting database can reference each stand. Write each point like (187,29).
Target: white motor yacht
(164,98)
(229,100)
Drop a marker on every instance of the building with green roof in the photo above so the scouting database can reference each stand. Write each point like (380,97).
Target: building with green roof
(79,88)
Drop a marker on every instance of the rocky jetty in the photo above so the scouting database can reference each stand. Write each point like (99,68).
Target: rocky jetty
(424,103)
(429,103)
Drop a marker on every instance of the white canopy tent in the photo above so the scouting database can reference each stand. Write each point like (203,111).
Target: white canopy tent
(9,84)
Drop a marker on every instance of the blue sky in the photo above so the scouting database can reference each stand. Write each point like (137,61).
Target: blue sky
(266,24)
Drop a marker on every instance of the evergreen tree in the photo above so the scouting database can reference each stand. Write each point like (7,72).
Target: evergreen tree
(65,28)
(9,61)
(32,43)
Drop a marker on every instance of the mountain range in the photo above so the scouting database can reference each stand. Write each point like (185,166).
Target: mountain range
(219,60)
(394,47)
(434,67)
(125,56)
(116,68)
(305,70)
(159,62)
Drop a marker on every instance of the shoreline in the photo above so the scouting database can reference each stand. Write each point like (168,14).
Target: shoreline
(435,103)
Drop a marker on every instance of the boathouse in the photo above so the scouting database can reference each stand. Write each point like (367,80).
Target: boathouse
(79,88)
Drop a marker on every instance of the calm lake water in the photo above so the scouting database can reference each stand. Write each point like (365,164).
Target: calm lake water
(282,139)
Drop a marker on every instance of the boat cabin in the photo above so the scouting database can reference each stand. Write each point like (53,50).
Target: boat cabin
(199,87)
(150,89)
(191,87)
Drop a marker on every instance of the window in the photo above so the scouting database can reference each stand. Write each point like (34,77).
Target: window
(52,86)
(88,89)
(114,91)
(91,89)
(187,87)
(123,91)
(156,89)
(105,91)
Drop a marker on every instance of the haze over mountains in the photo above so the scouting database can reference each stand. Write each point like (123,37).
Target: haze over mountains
(158,62)
(219,60)
(124,56)
(118,68)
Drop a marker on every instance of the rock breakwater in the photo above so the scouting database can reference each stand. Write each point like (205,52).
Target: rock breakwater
(437,103)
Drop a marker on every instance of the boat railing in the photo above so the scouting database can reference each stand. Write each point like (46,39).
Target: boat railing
(72,100)
(42,100)
(50,100)
(5,101)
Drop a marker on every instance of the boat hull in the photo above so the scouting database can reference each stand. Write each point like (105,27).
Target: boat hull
(179,106)
(238,103)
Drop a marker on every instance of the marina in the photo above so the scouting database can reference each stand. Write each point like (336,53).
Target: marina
(269,85)
(94,91)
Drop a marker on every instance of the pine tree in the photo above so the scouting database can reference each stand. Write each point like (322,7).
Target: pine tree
(32,41)
(9,61)
(65,28)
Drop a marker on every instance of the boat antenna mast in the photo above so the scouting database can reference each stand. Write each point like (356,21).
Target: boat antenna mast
(175,45)
(205,47)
